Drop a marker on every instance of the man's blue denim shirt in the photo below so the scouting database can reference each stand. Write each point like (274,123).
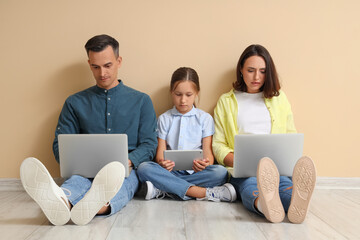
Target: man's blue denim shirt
(118,110)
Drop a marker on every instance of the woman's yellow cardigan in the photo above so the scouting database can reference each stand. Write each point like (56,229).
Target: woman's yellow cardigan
(225,116)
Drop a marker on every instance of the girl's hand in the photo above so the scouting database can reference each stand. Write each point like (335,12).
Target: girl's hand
(200,164)
(167,164)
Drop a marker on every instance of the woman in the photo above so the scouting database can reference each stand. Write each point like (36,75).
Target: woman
(257,106)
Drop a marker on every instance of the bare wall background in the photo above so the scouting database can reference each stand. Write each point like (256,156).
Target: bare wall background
(315,46)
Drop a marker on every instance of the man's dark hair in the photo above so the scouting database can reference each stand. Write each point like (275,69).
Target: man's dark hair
(100,42)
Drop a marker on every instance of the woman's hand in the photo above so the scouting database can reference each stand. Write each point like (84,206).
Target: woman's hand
(167,164)
(200,164)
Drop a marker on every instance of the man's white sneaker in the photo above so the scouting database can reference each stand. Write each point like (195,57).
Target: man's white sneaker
(105,185)
(149,191)
(41,187)
(224,193)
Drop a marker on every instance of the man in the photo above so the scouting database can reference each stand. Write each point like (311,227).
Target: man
(108,107)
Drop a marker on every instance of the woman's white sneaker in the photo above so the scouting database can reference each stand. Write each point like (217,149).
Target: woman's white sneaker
(41,187)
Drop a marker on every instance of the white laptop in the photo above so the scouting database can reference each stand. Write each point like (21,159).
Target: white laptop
(183,158)
(86,154)
(283,149)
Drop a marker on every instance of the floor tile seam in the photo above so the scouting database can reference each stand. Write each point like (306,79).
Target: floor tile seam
(24,195)
(346,197)
(184,219)
(37,229)
(256,224)
(112,225)
(326,223)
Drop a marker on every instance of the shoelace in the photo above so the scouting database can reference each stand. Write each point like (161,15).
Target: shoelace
(67,202)
(66,190)
(216,193)
(161,194)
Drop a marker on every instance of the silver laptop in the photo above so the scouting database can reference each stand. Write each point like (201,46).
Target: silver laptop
(283,149)
(183,158)
(86,154)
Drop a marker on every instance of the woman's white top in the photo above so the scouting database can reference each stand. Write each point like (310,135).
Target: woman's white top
(253,115)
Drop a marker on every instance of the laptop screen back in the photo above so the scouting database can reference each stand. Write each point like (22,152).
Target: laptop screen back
(86,154)
(283,149)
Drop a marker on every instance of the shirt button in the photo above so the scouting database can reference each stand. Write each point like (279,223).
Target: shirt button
(108,114)
(105,91)
(109,99)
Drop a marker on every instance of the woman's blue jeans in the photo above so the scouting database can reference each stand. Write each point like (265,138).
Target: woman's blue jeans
(247,191)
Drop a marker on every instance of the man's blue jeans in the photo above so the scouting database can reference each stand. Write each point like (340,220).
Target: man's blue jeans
(246,189)
(178,182)
(77,186)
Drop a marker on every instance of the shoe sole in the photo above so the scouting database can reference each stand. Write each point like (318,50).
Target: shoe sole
(105,185)
(304,179)
(40,186)
(268,179)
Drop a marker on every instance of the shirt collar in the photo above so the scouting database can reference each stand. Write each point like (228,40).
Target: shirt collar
(175,112)
(111,90)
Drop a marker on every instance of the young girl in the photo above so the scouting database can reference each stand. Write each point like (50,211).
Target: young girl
(257,106)
(185,127)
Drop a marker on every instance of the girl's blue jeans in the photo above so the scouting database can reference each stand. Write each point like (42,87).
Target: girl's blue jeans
(178,182)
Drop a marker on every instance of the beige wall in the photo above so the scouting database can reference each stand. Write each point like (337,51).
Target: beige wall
(315,45)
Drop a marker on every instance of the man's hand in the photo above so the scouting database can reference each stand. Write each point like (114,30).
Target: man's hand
(130,163)
(200,164)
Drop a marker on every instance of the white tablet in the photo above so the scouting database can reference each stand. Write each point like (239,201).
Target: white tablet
(183,158)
